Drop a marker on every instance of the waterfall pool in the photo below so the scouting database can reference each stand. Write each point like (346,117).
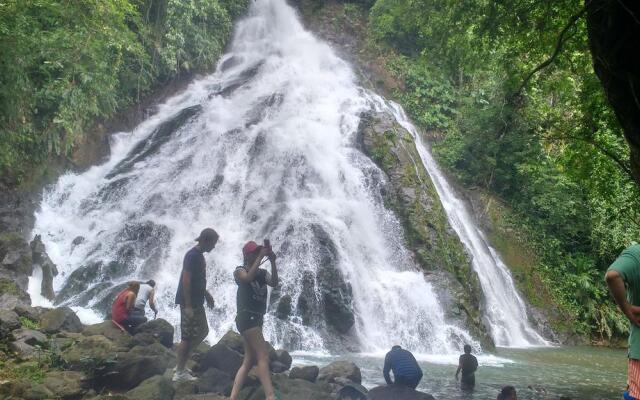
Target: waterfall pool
(582,372)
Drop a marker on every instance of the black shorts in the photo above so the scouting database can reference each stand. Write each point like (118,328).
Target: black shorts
(247,320)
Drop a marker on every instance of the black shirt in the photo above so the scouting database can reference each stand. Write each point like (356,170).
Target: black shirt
(469,364)
(196,266)
(252,297)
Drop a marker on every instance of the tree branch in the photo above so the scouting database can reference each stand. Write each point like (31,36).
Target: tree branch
(561,39)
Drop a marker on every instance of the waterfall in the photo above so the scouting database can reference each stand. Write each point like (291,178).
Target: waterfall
(505,309)
(264,147)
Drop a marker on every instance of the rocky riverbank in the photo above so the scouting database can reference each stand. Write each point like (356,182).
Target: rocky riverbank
(50,354)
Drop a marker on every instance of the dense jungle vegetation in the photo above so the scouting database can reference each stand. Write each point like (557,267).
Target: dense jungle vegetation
(65,65)
(531,128)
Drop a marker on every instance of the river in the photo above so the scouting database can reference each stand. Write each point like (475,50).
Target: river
(583,372)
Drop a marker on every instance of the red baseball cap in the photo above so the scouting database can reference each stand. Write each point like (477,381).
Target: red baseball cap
(249,247)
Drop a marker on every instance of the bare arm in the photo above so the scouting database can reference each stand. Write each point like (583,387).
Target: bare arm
(619,292)
(130,301)
(186,289)
(152,301)
(273,281)
(245,276)
(386,369)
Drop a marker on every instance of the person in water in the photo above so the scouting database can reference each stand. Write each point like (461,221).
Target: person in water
(251,303)
(508,393)
(623,279)
(191,295)
(146,293)
(467,364)
(406,370)
(122,308)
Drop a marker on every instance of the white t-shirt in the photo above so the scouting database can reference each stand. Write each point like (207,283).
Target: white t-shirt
(143,296)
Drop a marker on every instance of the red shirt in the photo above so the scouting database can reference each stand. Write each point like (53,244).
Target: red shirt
(119,310)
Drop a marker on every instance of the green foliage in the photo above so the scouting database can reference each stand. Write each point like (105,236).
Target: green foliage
(556,157)
(28,323)
(66,65)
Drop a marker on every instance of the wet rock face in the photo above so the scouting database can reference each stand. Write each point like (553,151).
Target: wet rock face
(336,293)
(60,319)
(413,198)
(140,246)
(337,370)
(15,260)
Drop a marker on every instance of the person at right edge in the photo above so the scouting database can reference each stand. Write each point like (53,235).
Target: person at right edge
(467,364)
(623,279)
(252,304)
(191,295)
(406,370)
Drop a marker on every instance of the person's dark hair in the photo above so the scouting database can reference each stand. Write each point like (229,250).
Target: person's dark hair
(396,347)
(467,349)
(151,283)
(506,393)
(208,235)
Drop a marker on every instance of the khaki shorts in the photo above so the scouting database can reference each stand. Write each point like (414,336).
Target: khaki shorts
(195,327)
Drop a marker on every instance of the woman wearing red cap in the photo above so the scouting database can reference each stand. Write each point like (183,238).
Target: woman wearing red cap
(252,305)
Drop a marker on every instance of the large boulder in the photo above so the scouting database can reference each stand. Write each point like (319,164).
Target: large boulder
(12,295)
(60,319)
(111,331)
(159,329)
(214,380)
(222,357)
(22,350)
(9,321)
(66,384)
(15,260)
(340,369)
(89,352)
(233,340)
(30,337)
(352,391)
(128,369)
(308,373)
(155,388)
(291,389)
(284,357)
(397,392)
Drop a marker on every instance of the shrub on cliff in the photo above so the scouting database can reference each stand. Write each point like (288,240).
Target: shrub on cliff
(66,65)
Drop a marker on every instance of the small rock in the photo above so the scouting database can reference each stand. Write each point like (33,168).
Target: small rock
(309,373)
(60,319)
(22,350)
(284,357)
(154,388)
(77,240)
(340,369)
(277,367)
(160,329)
(30,336)
(184,388)
(25,310)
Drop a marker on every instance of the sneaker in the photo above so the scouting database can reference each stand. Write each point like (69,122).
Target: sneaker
(183,376)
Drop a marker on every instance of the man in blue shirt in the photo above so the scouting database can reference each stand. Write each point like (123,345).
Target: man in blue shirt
(406,370)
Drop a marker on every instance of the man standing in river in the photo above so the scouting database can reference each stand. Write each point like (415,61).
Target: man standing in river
(191,295)
(623,279)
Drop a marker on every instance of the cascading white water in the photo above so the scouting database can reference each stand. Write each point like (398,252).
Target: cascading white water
(505,309)
(265,147)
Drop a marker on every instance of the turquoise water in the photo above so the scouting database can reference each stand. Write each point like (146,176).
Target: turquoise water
(540,373)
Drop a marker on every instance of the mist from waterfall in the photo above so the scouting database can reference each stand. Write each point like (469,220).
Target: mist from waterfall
(265,147)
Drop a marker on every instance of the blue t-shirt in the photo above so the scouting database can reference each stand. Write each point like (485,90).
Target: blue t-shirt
(195,264)
(402,363)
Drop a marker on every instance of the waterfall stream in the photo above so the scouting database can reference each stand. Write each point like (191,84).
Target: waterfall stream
(265,147)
